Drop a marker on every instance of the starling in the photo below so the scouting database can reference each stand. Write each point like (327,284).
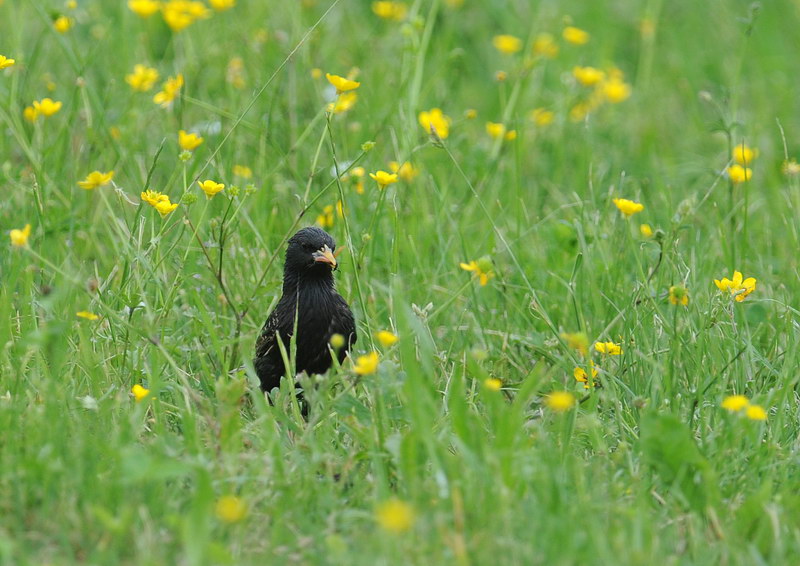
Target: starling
(310,297)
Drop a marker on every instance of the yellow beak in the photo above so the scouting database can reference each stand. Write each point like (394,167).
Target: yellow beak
(325,255)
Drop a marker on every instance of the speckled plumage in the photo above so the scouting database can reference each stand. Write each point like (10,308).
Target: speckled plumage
(309,293)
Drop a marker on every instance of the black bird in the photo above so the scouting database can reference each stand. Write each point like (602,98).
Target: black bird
(310,297)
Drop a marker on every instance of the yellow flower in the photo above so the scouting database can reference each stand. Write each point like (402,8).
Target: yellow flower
(481,268)
(96,179)
(627,207)
(395,516)
(230,509)
(63,24)
(495,130)
(19,238)
(5,62)
(679,295)
(242,171)
(46,107)
(144,8)
(738,174)
(383,178)
(609,348)
(744,155)
(435,123)
(222,5)
(142,78)
(165,207)
(790,168)
(390,10)
(500,76)
(646,230)
(316,73)
(406,171)
(575,36)
(386,338)
(578,341)
(492,384)
(545,45)
(180,14)
(588,76)
(139,392)
(342,84)
(153,197)
(739,287)
(169,91)
(542,117)
(470,114)
(616,90)
(582,376)
(735,403)
(210,188)
(560,401)
(234,73)
(366,365)
(189,142)
(343,102)
(507,44)
(326,219)
(30,114)
(87,315)
(756,413)
(336,341)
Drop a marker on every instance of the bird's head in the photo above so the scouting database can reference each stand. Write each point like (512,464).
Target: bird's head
(310,253)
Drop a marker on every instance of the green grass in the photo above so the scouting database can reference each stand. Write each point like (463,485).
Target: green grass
(647,469)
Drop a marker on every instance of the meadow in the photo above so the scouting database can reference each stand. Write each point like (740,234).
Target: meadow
(570,239)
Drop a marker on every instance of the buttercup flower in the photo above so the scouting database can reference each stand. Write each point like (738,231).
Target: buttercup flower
(434,122)
(744,155)
(406,171)
(87,315)
(738,174)
(142,78)
(222,5)
(139,392)
(169,91)
(492,384)
(609,348)
(366,365)
(395,11)
(582,376)
(342,84)
(735,403)
(63,24)
(627,207)
(739,287)
(575,36)
(165,207)
(180,14)
(344,102)
(507,44)
(560,401)
(336,341)
(646,231)
(386,338)
(482,269)
(230,509)
(242,171)
(679,295)
(5,62)
(615,90)
(545,45)
(96,179)
(189,142)
(395,516)
(19,238)
(326,219)
(756,413)
(588,76)
(210,188)
(578,341)
(46,107)
(495,130)
(542,117)
(159,201)
(144,8)
(383,178)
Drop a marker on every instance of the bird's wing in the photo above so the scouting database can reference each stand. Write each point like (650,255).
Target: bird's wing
(266,340)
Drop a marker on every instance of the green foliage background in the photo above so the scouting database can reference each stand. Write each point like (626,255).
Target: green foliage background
(648,469)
